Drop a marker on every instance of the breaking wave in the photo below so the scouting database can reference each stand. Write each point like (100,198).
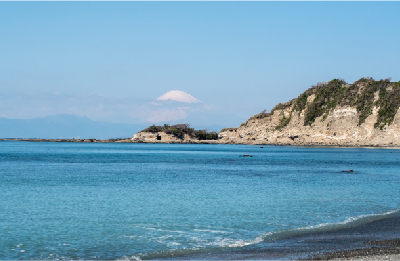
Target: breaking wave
(221,244)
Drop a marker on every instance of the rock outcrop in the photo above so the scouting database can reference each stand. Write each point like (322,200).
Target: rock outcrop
(365,113)
(162,137)
(180,133)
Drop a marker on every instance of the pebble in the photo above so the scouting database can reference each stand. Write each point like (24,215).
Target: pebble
(371,258)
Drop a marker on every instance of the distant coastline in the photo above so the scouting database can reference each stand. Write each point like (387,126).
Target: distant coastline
(335,113)
(130,140)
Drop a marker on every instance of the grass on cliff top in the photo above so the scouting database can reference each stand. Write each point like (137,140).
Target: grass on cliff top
(264,114)
(179,131)
(328,95)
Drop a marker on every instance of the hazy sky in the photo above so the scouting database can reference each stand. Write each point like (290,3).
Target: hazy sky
(118,61)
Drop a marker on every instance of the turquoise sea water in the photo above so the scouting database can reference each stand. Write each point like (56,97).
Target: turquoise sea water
(113,201)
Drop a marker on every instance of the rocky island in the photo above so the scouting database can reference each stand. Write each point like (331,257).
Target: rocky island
(179,133)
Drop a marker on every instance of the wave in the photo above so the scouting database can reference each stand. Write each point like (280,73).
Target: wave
(221,244)
(328,227)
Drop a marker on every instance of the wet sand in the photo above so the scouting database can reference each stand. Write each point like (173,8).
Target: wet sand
(376,240)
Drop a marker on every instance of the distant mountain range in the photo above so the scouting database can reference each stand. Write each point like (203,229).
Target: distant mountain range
(68,126)
(65,126)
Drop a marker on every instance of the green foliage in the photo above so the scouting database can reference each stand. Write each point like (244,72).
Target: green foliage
(326,99)
(328,96)
(264,114)
(389,103)
(365,101)
(284,121)
(301,101)
(244,124)
(179,131)
(261,115)
(154,128)
(204,135)
(360,94)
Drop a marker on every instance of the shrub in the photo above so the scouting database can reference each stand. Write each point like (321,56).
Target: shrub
(389,103)
(326,99)
(328,95)
(284,121)
(179,131)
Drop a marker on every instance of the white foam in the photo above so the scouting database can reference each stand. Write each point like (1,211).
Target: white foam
(220,242)
(125,258)
(174,244)
(163,230)
(359,220)
(213,231)
(368,218)
(200,239)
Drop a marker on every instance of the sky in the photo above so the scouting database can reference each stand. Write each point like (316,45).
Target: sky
(202,63)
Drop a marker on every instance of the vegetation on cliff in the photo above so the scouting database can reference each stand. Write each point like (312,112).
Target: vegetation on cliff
(179,131)
(364,95)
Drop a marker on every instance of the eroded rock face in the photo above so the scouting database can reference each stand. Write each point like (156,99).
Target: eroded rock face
(345,119)
(365,113)
(340,127)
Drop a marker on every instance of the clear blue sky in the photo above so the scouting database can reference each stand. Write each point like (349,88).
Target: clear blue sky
(112,60)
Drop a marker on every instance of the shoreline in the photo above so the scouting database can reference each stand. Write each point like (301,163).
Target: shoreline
(379,250)
(129,140)
(374,240)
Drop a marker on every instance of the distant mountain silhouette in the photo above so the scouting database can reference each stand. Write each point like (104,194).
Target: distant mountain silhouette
(65,126)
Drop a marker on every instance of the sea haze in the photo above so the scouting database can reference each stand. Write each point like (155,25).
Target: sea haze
(66,126)
(112,201)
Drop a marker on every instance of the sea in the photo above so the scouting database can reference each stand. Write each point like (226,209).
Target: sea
(126,201)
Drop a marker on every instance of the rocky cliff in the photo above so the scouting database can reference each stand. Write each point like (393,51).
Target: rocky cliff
(365,113)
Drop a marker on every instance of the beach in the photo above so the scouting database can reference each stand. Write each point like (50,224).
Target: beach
(373,258)
(382,250)
(370,238)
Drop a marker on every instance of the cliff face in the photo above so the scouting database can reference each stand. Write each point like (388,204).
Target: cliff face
(365,113)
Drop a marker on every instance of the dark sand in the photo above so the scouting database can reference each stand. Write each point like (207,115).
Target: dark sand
(376,240)
(383,249)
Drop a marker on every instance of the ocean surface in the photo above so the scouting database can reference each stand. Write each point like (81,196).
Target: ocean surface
(152,201)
